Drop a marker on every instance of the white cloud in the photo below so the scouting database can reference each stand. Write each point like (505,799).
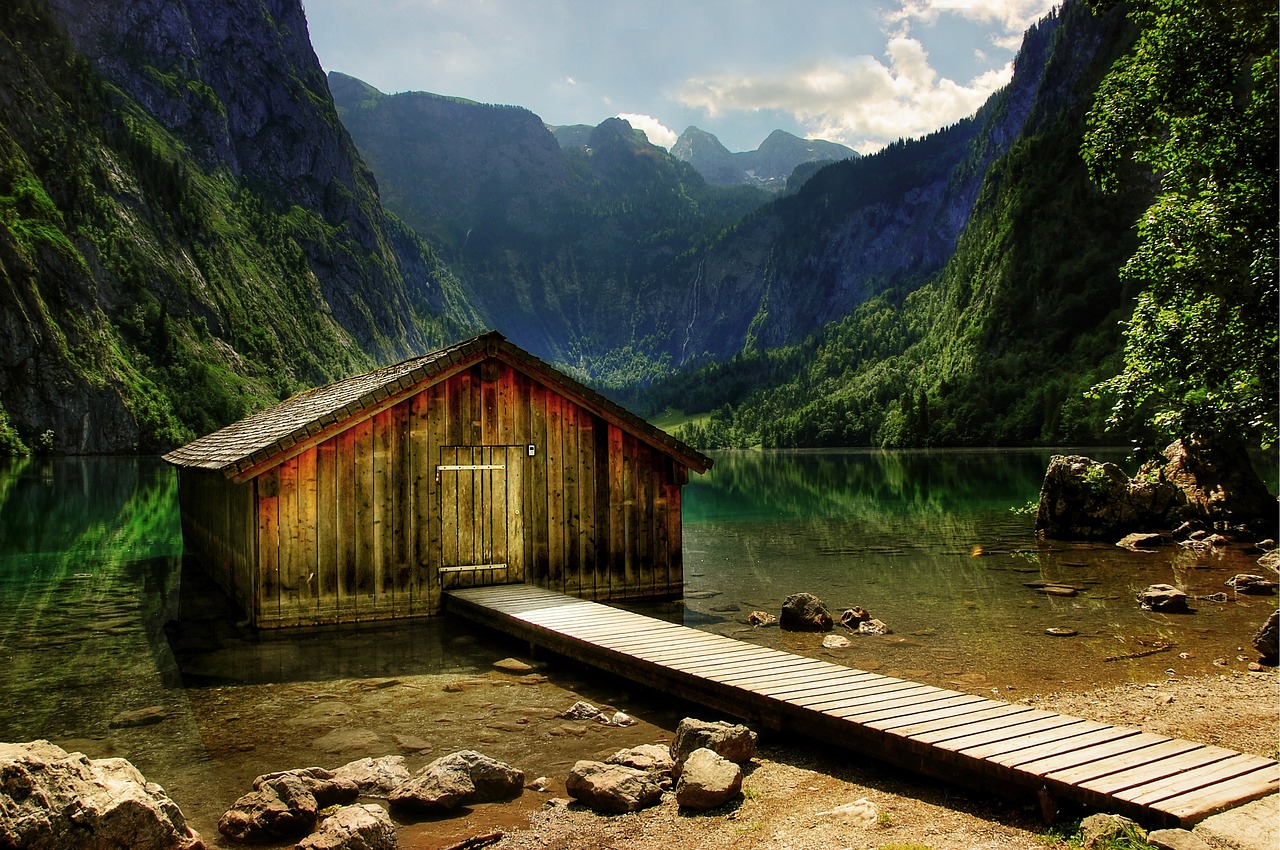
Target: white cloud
(652,127)
(1014,15)
(861,102)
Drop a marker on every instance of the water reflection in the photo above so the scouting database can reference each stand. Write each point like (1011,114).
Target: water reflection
(927,541)
(99,617)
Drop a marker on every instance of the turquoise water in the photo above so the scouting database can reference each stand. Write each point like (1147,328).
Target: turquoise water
(98,618)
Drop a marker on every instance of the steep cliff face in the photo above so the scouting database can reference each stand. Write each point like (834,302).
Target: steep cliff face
(186,230)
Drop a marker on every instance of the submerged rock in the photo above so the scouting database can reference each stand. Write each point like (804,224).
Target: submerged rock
(804,612)
(1250,583)
(1164,598)
(52,798)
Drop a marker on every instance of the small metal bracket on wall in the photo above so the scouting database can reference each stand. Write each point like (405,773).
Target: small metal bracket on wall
(533,450)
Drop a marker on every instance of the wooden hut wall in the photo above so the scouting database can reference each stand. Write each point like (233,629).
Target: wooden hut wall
(218,530)
(353,528)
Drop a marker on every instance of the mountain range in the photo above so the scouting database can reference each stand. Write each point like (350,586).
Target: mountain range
(195,222)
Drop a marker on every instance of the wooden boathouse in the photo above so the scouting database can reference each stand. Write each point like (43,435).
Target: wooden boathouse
(474,465)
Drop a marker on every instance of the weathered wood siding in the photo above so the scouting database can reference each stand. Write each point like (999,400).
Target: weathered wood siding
(218,525)
(439,490)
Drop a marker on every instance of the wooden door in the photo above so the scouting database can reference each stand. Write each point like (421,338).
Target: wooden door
(482,529)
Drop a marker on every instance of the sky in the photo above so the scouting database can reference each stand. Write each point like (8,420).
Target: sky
(860,72)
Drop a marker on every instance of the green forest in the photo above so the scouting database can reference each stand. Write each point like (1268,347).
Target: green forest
(1116,283)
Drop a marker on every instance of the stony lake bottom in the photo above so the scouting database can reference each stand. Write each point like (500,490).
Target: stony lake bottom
(101,619)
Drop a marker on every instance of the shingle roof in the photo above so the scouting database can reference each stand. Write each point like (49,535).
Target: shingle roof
(318,413)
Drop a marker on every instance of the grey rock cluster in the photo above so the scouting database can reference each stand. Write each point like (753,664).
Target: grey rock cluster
(703,764)
(52,799)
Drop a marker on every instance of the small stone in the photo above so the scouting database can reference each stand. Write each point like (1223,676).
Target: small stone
(1176,839)
(513,665)
(148,716)
(835,642)
(859,814)
(874,627)
(761,618)
(1060,631)
(1164,598)
(1096,830)
(1139,542)
(580,711)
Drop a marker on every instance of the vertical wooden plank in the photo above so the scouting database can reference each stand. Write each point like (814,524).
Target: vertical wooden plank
(555,492)
(470,531)
(327,531)
(421,470)
(506,407)
(348,536)
(618,496)
(400,474)
(305,562)
(498,514)
(603,511)
(455,434)
(365,516)
(449,509)
(644,519)
(539,487)
(267,607)
(587,502)
(516,456)
(290,544)
(675,539)
(572,513)
(630,513)
(464,408)
(383,522)
(437,415)
(475,433)
(522,422)
(490,418)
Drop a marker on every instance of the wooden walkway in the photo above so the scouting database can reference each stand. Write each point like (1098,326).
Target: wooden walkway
(1008,748)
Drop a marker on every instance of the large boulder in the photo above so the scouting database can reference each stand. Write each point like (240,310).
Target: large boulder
(613,788)
(1084,499)
(804,612)
(1199,481)
(375,777)
(732,741)
(51,799)
(281,806)
(707,780)
(1267,639)
(458,779)
(327,786)
(1164,598)
(651,758)
(363,827)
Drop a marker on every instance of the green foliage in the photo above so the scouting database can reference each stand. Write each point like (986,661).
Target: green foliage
(143,274)
(1195,103)
(998,348)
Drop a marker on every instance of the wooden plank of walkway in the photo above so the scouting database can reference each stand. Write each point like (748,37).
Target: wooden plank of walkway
(949,734)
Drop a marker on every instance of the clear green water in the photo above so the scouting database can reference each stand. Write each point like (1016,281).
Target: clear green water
(98,617)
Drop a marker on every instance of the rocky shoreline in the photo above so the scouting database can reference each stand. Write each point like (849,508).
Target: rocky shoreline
(786,789)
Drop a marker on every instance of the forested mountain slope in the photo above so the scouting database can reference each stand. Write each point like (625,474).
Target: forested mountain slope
(186,230)
(999,347)
(554,245)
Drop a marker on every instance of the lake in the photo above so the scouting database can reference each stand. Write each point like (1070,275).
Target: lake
(99,619)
